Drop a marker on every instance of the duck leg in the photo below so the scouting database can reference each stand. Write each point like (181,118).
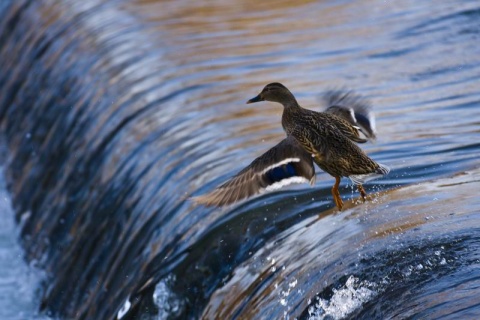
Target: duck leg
(362,192)
(336,194)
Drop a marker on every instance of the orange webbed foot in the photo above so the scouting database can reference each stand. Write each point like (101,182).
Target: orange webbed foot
(363,194)
(336,194)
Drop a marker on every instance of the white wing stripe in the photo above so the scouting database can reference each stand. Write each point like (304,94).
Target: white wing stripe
(371,118)
(352,114)
(281,163)
(285,182)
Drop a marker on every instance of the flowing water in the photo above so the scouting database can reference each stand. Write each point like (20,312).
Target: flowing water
(115,112)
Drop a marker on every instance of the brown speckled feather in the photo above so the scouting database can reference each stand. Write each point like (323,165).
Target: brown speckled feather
(330,139)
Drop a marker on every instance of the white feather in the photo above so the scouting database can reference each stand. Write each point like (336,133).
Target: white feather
(353,115)
(281,163)
(371,118)
(285,182)
(362,178)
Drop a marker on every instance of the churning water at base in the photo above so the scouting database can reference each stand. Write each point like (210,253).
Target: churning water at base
(115,112)
(344,301)
(19,282)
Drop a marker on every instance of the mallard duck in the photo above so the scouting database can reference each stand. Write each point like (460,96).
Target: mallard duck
(326,138)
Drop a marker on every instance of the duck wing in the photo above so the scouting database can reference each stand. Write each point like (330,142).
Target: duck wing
(284,164)
(325,121)
(353,108)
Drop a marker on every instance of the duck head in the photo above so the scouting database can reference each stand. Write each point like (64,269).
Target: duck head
(275,92)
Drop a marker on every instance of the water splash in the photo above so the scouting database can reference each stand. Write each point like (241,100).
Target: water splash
(19,281)
(168,304)
(344,300)
(124,309)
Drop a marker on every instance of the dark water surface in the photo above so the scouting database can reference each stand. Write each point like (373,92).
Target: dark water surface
(115,112)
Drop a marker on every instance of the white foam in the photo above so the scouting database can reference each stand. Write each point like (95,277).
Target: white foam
(344,300)
(168,304)
(123,311)
(19,282)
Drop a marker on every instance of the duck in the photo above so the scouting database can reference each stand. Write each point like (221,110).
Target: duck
(328,139)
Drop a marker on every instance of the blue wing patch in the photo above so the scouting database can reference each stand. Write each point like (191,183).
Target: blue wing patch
(279,173)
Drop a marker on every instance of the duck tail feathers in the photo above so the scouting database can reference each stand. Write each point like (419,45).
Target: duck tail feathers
(383,169)
(362,178)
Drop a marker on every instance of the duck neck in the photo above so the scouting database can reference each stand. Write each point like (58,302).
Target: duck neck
(290,103)
(290,112)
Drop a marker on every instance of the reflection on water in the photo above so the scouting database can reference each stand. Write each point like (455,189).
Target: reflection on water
(116,112)
(404,237)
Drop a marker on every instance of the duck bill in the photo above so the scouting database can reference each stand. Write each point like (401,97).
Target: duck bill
(255,99)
